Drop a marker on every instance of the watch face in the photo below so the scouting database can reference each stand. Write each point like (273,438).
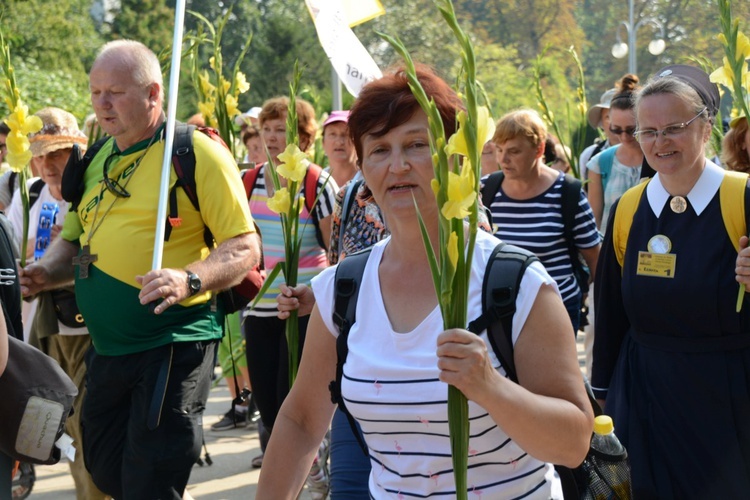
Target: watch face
(194,283)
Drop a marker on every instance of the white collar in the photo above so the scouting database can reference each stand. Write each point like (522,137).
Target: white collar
(701,194)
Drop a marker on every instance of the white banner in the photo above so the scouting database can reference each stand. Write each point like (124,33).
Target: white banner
(349,58)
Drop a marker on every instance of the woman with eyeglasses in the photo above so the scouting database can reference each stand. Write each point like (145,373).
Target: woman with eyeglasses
(672,355)
(616,169)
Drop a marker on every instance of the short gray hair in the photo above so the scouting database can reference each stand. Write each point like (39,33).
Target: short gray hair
(142,60)
(679,89)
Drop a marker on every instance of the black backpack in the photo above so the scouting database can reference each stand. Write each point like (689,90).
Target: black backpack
(37,394)
(183,163)
(571,192)
(502,279)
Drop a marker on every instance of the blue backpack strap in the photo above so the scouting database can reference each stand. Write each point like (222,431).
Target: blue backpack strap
(606,159)
(346,290)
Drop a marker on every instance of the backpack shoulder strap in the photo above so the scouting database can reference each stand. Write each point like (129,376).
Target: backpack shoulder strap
(502,279)
(73,185)
(626,208)
(312,176)
(491,185)
(606,159)
(346,290)
(183,163)
(12,179)
(34,191)
(732,199)
(569,198)
(249,178)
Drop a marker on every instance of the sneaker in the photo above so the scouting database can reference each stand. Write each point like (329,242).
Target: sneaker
(319,480)
(257,462)
(231,420)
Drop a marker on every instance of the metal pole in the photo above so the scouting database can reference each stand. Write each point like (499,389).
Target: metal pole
(631,38)
(337,102)
(166,168)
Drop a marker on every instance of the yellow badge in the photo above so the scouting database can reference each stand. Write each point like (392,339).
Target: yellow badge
(657,265)
(659,244)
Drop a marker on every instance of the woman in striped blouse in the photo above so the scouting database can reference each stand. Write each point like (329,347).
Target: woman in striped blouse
(527,209)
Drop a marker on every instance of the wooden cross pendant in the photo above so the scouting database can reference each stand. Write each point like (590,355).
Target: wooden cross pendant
(83,260)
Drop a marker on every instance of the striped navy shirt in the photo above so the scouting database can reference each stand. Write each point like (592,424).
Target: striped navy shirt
(536,224)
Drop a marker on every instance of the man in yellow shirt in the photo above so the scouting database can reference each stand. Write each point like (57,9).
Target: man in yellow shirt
(154,332)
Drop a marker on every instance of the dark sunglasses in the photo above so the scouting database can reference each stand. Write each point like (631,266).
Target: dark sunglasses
(620,131)
(113,186)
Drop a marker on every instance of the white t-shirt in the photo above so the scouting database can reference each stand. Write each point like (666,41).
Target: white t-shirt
(391,387)
(15,215)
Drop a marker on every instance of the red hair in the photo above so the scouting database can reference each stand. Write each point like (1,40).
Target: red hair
(388,102)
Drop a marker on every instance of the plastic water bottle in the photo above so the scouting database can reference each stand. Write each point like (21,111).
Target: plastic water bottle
(611,477)
(604,439)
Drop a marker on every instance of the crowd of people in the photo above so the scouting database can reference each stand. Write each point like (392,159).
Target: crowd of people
(668,349)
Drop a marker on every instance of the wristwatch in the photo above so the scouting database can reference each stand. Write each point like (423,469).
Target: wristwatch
(193,283)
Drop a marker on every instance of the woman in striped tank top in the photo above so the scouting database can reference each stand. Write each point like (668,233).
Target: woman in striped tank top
(400,360)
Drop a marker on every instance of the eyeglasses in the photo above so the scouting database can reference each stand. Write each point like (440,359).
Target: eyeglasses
(620,131)
(649,135)
(113,186)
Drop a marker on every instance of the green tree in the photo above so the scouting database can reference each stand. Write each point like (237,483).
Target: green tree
(56,35)
(148,21)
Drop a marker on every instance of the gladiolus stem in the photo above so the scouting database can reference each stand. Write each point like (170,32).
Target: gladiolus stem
(458,424)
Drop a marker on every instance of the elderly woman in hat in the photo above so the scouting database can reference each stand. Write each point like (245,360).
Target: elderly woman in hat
(52,321)
(672,355)
(598,118)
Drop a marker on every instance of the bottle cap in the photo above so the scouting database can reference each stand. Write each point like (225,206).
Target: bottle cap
(603,425)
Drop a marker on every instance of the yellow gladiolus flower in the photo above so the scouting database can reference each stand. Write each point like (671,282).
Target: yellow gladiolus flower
(457,142)
(17,141)
(435,185)
(19,153)
(280,201)
(293,164)
(453,249)
(207,108)
(723,75)
(461,193)
(206,86)
(485,126)
(301,203)
(20,120)
(212,62)
(241,82)
(743,46)
(231,103)
(485,130)
(225,84)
